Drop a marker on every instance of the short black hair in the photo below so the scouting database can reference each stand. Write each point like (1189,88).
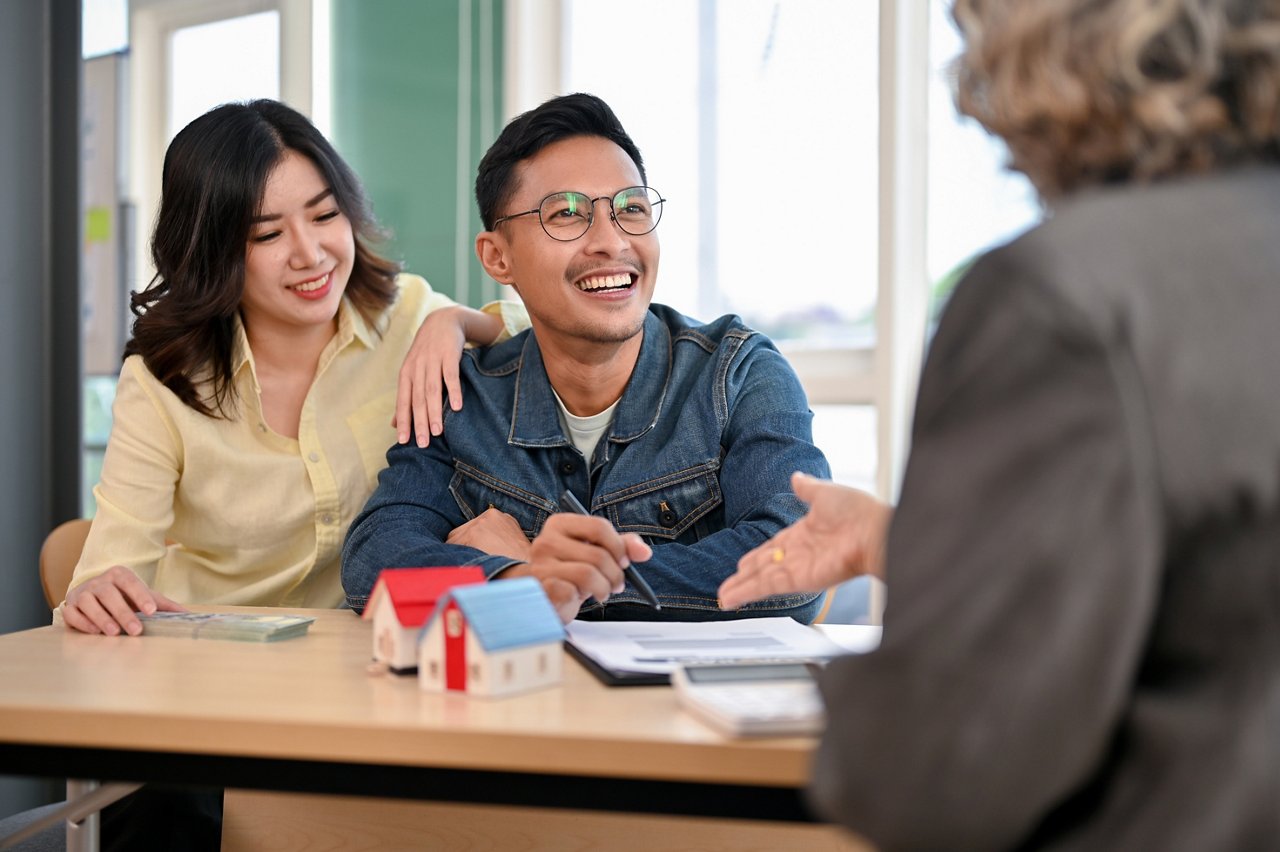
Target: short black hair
(560,118)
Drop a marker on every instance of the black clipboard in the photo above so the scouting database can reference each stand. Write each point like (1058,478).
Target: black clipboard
(616,677)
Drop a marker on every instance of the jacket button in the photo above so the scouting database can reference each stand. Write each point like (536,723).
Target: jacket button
(667,518)
(568,468)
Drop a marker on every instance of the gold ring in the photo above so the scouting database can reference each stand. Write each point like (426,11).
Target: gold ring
(779,554)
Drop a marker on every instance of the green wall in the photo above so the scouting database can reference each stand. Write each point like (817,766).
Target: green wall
(403,106)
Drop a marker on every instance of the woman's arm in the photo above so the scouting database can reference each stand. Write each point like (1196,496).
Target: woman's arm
(135,509)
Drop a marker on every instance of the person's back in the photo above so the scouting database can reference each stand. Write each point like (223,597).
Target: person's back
(1139,571)
(1182,279)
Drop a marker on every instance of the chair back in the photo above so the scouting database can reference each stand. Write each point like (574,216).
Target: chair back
(58,558)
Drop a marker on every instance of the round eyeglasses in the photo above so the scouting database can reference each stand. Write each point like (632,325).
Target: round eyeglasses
(568,215)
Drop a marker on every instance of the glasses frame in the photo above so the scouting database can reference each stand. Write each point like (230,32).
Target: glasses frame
(591,214)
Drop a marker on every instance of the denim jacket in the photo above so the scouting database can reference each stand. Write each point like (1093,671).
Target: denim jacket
(697,461)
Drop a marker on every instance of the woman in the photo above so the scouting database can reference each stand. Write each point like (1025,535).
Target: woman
(254,405)
(1082,644)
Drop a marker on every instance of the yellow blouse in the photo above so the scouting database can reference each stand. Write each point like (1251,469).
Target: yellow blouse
(254,518)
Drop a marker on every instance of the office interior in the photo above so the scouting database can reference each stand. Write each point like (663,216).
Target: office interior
(837,112)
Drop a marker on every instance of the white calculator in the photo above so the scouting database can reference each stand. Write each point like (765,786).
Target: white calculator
(752,699)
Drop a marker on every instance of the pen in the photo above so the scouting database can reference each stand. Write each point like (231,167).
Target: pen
(569,503)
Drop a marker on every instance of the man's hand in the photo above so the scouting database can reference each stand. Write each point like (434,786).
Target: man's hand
(841,537)
(107,603)
(578,557)
(495,532)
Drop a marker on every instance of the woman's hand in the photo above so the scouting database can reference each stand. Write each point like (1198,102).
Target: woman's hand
(107,603)
(841,537)
(431,368)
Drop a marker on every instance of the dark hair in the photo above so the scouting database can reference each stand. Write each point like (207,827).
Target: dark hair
(560,118)
(215,173)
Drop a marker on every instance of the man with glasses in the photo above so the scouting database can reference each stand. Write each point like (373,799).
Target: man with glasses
(678,438)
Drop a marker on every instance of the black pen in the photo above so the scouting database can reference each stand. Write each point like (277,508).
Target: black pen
(569,503)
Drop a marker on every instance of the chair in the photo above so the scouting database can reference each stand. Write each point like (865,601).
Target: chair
(58,558)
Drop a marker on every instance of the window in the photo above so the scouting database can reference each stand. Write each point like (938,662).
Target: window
(227,60)
(770,172)
(968,176)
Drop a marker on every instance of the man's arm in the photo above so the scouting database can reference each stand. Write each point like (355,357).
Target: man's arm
(407,522)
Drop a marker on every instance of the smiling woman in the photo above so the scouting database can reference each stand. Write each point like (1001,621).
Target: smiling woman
(256,399)
(255,403)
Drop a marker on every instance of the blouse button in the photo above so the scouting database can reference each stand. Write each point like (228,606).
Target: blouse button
(326,518)
(315,457)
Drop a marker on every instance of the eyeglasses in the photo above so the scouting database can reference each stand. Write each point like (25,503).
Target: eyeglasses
(567,216)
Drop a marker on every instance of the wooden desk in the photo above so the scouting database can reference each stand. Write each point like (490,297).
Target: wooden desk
(305,716)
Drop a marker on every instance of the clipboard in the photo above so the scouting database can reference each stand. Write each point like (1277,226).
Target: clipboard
(616,677)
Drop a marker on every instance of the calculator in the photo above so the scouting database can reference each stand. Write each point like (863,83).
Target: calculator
(752,699)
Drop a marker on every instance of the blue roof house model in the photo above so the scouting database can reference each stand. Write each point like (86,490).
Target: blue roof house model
(496,638)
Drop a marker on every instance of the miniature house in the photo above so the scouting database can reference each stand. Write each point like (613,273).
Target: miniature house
(401,601)
(497,639)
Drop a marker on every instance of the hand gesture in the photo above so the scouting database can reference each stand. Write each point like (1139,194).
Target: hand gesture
(842,536)
(106,604)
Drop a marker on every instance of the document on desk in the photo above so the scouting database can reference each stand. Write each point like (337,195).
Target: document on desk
(648,651)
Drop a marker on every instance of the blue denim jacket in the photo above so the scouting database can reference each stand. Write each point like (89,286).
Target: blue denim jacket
(697,461)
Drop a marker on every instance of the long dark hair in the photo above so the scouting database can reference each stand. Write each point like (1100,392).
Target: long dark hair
(215,172)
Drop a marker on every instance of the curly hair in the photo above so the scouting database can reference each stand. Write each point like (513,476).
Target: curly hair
(1098,91)
(215,172)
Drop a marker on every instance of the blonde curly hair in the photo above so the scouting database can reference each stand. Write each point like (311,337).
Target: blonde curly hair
(1096,91)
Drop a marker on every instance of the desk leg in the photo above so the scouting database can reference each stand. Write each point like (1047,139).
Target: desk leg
(82,834)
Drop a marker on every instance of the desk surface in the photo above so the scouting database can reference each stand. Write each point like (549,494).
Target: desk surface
(312,699)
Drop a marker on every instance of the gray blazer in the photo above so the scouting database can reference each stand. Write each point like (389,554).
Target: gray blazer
(1082,643)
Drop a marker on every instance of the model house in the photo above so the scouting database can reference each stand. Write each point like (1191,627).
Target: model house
(497,639)
(401,602)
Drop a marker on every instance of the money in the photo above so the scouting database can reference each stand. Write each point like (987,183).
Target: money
(242,627)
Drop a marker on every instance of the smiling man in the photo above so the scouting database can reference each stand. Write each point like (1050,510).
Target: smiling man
(678,437)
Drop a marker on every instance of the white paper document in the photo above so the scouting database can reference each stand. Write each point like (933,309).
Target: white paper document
(662,646)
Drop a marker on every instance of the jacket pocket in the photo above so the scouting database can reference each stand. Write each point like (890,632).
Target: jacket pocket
(666,507)
(475,491)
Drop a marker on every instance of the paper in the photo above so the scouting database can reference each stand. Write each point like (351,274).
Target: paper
(663,646)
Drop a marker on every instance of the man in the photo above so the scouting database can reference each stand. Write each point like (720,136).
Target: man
(1082,645)
(677,437)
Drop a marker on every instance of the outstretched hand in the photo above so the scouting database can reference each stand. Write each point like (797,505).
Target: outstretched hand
(841,537)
